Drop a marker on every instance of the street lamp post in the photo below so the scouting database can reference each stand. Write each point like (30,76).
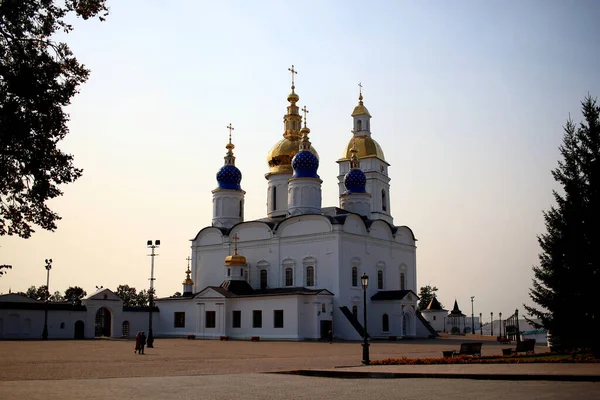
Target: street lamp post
(150,340)
(472,316)
(48,268)
(364,281)
(500,325)
(492,323)
(480,325)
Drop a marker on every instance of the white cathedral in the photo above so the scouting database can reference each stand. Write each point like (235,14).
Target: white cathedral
(296,274)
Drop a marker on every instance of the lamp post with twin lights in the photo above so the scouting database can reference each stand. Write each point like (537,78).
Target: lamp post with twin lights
(150,340)
(48,267)
(364,281)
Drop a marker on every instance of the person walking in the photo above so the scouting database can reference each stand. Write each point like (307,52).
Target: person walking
(142,342)
(137,342)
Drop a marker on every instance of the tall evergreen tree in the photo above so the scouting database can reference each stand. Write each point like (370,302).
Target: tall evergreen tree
(568,274)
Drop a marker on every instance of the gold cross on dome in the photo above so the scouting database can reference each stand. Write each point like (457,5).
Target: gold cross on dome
(294,72)
(304,110)
(188,259)
(360,86)
(231,128)
(235,238)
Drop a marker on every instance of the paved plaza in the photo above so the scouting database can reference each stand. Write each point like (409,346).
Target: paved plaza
(198,369)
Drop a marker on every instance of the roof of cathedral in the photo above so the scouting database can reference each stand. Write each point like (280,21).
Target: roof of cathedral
(243,289)
(392,294)
(335,215)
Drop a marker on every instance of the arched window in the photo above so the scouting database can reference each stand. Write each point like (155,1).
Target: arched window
(359,125)
(310,276)
(385,323)
(380,279)
(263,278)
(402,281)
(355,311)
(354,276)
(289,277)
(383,200)
(241,208)
(274,198)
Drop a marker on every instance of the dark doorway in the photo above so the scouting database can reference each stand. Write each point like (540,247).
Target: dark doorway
(325,328)
(79,329)
(125,329)
(103,319)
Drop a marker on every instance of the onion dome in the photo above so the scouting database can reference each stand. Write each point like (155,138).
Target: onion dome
(355,179)
(281,154)
(366,146)
(235,258)
(360,109)
(188,280)
(229,176)
(305,163)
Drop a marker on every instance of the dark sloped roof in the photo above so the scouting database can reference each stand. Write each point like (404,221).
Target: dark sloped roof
(52,306)
(456,311)
(140,309)
(238,288)
(434,305)
(240,291)
(392,294)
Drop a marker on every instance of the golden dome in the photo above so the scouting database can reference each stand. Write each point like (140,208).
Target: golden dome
(235,259)
(188,280)
(280,156)
(360,109)
(366,146)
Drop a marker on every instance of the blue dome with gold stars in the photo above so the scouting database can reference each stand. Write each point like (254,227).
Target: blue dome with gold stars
(355,181)
(305,165)
(229,177)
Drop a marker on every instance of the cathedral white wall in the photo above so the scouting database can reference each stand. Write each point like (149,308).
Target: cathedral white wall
(435,318)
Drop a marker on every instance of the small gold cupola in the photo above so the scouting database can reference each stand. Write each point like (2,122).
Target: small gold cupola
(361,139)
(235,258)
(281,154)
(188,283)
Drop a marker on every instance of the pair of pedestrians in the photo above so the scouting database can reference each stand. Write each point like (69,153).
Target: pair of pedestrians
(140,342)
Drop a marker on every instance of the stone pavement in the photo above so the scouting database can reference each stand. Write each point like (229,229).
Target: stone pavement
(197,369)
(35,360)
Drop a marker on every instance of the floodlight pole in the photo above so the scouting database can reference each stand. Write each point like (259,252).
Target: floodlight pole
(472,316)
(364,280)
(150,340)
(48,267)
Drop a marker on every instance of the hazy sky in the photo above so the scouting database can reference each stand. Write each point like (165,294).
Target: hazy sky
(468,101)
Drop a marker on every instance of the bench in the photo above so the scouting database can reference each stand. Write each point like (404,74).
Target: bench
(469,349)
(527,346)
(503,339)
(254,338)
(226,338)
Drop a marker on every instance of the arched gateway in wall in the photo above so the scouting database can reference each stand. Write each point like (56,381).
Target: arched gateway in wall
(103,322)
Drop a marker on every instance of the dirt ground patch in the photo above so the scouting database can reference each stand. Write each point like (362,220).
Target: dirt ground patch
(25,360)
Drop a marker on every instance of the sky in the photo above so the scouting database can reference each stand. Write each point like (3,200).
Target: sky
(468,100)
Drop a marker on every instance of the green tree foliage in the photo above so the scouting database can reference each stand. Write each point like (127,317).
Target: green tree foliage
(4,267)
(568,275)
(57,296)
(38,79)
(426,293)
(127,294)
(38,293)
(75,294)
